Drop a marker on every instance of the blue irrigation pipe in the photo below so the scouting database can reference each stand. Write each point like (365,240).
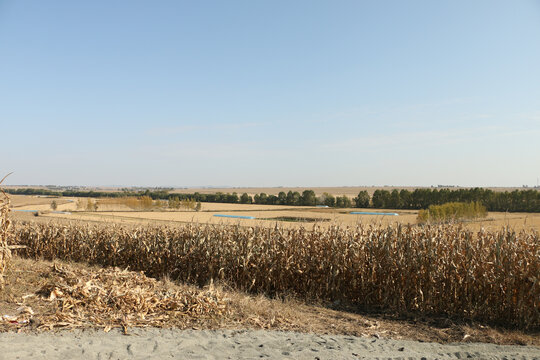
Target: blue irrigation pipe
(372,213)
(235,216)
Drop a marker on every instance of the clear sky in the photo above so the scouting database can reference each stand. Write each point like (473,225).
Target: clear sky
(270,93)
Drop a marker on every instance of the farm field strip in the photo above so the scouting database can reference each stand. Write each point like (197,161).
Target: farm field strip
(263,218)
(264,215)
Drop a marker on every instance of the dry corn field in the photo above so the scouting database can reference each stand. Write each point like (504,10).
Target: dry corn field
(491,277)
(5,252)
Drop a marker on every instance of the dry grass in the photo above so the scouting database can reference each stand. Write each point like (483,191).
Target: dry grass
(490,277)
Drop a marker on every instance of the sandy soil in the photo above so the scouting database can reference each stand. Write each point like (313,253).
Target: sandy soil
(231,344)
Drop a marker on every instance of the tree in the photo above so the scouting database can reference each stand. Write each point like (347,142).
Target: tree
(327,199)
(245,199)
(232,198)
(188,204)
(174,202)
(282,198)
(263,198)
(309,198)
(219,196)
(362,200)
(272,200)
(54,205)
(378,199)
(394,200)
(343,202)
(406,198)
(293,198)
(198,206)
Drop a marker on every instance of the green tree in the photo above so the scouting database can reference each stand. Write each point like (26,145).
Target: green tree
(309,198)
(245,199)
(394,201)
(282,198)
(261,198)
(362,200)
(293,198)
(406,199)
(272,200)
(54,205)
(327,199)
(380,199)
(343,202)
(232,198)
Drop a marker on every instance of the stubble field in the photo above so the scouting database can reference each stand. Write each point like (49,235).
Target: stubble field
(265,215)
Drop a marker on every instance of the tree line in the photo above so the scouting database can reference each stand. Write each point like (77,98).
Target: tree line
(512,201)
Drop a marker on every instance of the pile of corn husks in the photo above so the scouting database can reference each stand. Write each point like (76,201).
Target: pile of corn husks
(110,298)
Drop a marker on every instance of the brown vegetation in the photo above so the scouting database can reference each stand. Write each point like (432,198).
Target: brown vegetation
(445,270)
(29,308)
(5,224)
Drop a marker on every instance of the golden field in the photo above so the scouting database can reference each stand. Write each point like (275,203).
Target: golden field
(121,214)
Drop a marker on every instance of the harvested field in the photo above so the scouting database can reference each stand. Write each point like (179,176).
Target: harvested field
(493,222)
(23,201)
(115,213)
(206,217)
(490,277)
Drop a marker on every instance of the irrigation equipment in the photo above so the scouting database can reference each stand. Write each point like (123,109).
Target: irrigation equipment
(235,216)
(372,213)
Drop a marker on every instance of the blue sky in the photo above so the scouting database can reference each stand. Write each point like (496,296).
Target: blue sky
(270,93)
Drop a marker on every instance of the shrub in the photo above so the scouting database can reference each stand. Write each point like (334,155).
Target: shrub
(452,211)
